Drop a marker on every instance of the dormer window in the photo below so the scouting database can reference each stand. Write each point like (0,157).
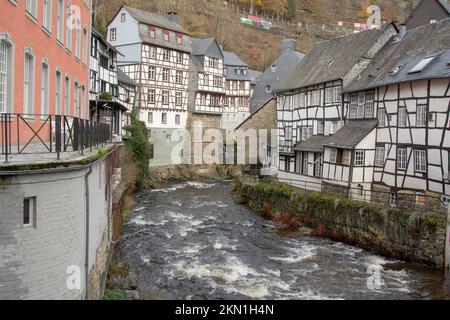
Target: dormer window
(238,71)
(244,72)
(422,65)
(152,32)
(268,88)
(274,68)
(166,35)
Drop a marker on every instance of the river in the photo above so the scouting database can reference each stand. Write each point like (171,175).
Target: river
(190,240)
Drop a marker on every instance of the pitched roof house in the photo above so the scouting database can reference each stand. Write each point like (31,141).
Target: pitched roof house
(276,73)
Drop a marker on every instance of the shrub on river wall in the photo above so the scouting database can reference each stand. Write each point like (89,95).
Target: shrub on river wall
(139,148)
(392,232)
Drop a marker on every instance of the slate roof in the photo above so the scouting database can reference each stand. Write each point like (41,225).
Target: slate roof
(313,144)
(154,19)
(146,18)
(254,75)
(231,61)
(351,134)
(122,77)
(200,46)
(331,60)
(285,65)
(418,43)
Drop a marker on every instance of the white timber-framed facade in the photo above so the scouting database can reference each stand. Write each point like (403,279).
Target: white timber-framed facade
(156,53)
(237,90)
(310,108)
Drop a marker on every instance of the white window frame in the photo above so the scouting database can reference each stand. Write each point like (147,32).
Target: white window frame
(165,74)
(177,119)
(7,74)
(113,34)
(29,82)
(60,21)
(179,77)
(150,117)
(68,28)
(151,96)
(45,88)
(164,118)
(47,15)
(353,108)
(58,92)
(380,156)
(76,100)
(359,158)
(78,39)
(31,7)
(178,98)
(165,97)
(402,117)
(165,55)
(421,116)
(333,155)
(151,73)
(32,212)
(67,85)
(381,117)
(402,158)
(369,105)
(420,161)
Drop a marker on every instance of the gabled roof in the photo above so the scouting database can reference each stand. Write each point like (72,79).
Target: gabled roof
(332,60)
(201,46)
(231,59)
(285,64)
(154,19)
(402,55)
(122,77)
(351,134)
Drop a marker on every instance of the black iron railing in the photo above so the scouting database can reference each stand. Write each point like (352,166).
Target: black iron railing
(36,133)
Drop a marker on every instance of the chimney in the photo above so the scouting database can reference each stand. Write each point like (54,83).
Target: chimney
(173,16)
(288,44)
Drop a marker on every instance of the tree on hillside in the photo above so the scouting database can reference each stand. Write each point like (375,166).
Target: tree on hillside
(291,8)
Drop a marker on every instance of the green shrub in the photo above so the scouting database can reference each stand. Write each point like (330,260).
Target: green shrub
(115,294)
(105,96)
(139,147)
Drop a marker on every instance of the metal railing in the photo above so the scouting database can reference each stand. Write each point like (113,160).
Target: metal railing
(38,133)
(402,199)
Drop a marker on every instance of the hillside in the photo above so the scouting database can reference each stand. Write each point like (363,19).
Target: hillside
(221,19)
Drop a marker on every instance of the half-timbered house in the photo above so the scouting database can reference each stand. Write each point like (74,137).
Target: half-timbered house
(104,103)
(405,91)
(309,102)
(156,53)
(237,89)
(127,95)
(208,84)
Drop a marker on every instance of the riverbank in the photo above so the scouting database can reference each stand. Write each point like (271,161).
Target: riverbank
(390,232)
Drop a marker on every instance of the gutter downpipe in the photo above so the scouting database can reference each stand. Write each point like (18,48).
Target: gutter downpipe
(87,202)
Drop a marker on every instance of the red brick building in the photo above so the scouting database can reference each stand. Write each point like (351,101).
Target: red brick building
(44,60)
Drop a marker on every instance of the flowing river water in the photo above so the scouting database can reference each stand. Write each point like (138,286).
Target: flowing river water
(190,240)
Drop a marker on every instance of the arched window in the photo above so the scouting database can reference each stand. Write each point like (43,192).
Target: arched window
(45,87)
(28,81)
(6,73)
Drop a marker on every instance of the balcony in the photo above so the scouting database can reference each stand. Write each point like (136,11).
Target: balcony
(32,140)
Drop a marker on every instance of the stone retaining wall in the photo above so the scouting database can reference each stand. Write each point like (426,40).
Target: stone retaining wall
(391,232)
